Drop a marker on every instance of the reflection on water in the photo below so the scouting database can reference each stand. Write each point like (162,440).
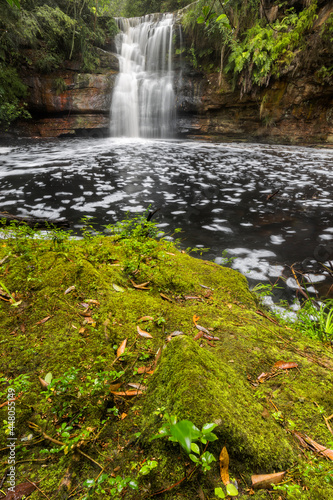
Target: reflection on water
(217,193)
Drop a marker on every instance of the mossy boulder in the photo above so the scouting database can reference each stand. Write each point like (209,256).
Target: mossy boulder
(68,305)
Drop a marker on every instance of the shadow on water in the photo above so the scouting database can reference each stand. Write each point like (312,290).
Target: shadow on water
(268,206)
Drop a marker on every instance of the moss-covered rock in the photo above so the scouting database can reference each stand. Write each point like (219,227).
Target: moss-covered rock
(67,306)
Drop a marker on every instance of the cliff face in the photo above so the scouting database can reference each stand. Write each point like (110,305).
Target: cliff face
(297,108)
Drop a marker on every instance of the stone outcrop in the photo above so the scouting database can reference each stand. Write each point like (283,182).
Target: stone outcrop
(69,102)
(295,109)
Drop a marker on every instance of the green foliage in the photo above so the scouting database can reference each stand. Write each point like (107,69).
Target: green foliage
(12,91)
(186,434)
(316,320)
(265,49)
(114,486)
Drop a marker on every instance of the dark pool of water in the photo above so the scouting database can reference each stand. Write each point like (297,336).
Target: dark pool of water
(217,193)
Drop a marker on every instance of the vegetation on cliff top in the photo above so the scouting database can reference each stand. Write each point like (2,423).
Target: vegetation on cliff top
(255,41)
(102,338)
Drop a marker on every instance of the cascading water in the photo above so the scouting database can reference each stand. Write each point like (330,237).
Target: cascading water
(143,101)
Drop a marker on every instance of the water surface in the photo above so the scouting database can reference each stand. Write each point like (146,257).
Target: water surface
(217,193)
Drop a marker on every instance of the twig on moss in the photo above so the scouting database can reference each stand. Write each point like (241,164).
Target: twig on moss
(60,443)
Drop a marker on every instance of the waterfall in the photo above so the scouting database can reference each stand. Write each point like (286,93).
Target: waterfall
(143,100)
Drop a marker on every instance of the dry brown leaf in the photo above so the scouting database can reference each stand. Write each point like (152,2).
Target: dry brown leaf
(141,286)
(141,387)
(224,466)
(202,329)
(170,253)
(192,297)
(198,336)
(22,490)
(127,393)
(165,297)
(44,320)
(143,333)
(143,369)
(121,348)
(323,450)
(195,319)
(265,481)
(92,301)
(43,383)
(282,365)
(123,415)
(146,318)
(82,329)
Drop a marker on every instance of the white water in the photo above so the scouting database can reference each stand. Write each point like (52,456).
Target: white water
(143,101)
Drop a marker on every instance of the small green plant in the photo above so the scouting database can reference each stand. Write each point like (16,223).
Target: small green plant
(113,486)
(316,320)
(293,491)
(187,435)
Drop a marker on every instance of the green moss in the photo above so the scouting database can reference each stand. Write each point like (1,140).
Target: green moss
(78,303)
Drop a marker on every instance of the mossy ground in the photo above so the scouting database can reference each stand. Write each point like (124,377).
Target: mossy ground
(75,301)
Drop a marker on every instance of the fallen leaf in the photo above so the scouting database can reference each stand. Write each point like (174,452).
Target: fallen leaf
(170,253)
(202,329)
(282,365)
(126,393)
(143,333)
(195,319)
(82,330)
(21,491)
(121,348)
(265,481)
(165,297)
(22,328)
(157,355)
(43,383)
(176,333)
(224,466)
(210,337)
(146,318)
(143,369)
(44,320)
(191,297)
(70,289)
(92,301)
(89,321)
(198,336)
(118,288)
(137,386)
(323,450)
(123,415)
(141,286)
(262,377)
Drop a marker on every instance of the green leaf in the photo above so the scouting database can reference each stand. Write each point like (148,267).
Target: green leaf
(219,493)
(185,432)
(133,484)
(205,10)
(200,20)
(208,458)
(194,458)
(118,288)
(48,378)
(208,428)
(211,437)
(195,448)
(232,490)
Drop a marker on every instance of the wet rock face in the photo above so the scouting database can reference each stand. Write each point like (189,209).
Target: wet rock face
(69,102)
(291,110)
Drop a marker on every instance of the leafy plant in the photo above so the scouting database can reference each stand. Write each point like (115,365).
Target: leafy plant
(113,486)
(187,434)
